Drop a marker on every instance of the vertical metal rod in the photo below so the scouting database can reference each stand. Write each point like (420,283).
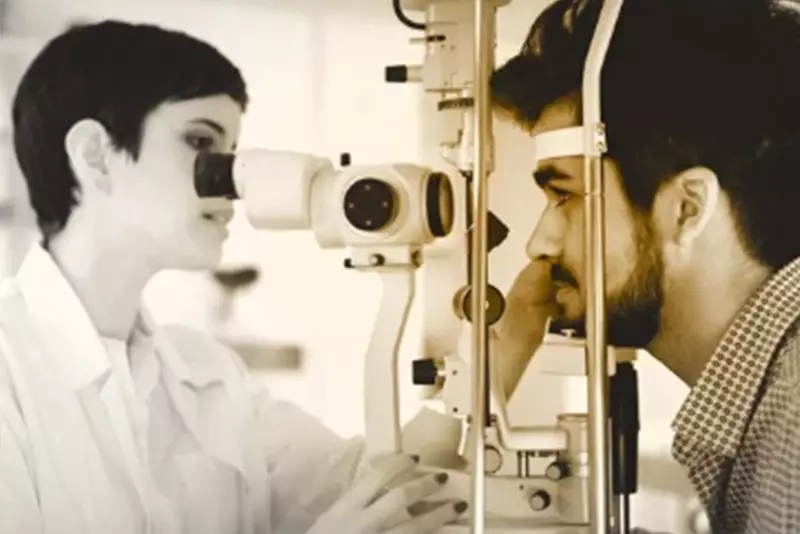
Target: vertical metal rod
(624,514)
(594,255)
(623,503)
(479,278)
(596,346)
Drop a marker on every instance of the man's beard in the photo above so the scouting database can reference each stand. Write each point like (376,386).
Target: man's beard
(633,313)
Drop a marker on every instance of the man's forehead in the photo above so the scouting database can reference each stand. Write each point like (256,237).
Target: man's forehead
(556,139)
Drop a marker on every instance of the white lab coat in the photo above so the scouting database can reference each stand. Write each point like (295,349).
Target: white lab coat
(179,441)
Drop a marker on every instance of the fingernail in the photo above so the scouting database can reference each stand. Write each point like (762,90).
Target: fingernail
(441,478)
(461,507)
(415,457)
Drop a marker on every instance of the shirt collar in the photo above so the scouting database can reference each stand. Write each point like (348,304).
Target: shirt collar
(67,329)
(62,319)
(60,315)
(718,408)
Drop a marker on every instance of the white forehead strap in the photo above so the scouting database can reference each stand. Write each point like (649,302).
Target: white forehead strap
(562,143)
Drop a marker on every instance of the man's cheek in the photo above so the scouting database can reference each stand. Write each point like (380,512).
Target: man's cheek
(572,256)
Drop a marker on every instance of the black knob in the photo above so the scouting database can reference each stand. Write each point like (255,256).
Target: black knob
(495,304)
(424,372)
(557,470)
(397,74)
(540,500)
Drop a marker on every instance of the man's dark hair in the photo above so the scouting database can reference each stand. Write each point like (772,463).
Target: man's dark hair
(115,73)
(686,83)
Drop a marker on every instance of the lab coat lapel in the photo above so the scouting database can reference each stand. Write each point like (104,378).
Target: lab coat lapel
(202,399)
(217,410)
(57,310)
(77,356)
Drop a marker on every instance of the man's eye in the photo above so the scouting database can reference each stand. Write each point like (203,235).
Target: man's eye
(559,197)
(562,199)
(199,142)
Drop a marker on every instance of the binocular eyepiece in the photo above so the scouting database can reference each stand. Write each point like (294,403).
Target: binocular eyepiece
(213,176)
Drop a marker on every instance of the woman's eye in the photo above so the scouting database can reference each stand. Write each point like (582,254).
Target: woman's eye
(199,142)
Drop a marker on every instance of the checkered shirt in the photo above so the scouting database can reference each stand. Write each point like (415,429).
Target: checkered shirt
(738,432)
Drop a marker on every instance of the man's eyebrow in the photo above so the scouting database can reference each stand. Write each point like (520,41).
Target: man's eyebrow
(214,125)
(547,174)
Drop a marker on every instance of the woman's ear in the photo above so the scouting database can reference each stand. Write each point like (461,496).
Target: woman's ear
(88,147)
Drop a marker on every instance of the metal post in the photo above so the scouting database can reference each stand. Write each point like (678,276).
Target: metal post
(594,254)
(479,259)
(596,346)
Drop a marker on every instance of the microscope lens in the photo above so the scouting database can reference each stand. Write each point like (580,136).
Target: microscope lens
(213,175)
(439,204)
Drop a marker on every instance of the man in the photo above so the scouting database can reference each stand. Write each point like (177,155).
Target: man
(108,422)
(700,100)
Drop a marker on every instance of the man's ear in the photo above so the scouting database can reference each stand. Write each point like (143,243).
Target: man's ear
(89,148)
(692,197)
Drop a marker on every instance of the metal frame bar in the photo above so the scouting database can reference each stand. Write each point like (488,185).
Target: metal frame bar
(479,261)
(595,146)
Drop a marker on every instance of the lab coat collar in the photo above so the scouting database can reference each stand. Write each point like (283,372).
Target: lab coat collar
(58,310)
(183,362)
(65,325)
(212,407)
(81,359)
(195,375)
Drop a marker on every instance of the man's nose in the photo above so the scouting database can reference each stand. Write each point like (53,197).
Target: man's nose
(546,240)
